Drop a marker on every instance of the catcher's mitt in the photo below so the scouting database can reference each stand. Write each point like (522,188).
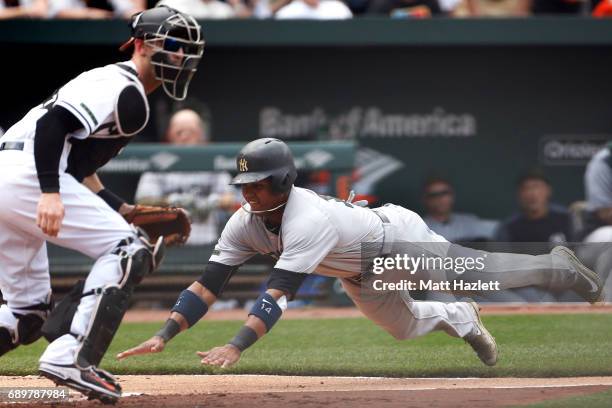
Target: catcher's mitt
(170,222)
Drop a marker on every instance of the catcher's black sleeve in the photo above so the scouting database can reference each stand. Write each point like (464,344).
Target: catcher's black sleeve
(288,282)
(216,276)
(114,201)
(51,131)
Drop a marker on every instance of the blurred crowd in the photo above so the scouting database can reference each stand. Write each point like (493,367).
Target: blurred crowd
(537,218)
(304,9)
(538,225)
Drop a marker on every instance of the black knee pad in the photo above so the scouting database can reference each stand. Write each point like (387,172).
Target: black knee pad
(157,249)
(138,261)
(30,320)
(136,267)
(6,341)
(28,328)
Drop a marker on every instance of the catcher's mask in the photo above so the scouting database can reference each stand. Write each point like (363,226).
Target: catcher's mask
(177,41)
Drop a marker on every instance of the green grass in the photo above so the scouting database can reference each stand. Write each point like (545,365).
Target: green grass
(596,400)
(530,346)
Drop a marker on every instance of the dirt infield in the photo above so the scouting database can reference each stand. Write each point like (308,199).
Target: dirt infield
(354,392)
(250,391)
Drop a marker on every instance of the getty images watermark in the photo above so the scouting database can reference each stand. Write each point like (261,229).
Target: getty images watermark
(428,265)
(504,272)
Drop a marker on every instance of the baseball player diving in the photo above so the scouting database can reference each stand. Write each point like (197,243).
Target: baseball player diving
(48,163)
(308,233)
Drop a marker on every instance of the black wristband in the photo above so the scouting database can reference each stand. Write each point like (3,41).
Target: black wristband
(111,199)
(245,338)
(171,328)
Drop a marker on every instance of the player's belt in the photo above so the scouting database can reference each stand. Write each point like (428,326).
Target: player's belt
(11,146)
(388,233)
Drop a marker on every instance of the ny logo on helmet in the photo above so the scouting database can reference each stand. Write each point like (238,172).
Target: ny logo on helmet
(242,165)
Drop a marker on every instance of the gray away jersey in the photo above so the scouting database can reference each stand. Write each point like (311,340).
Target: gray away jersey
(317,234)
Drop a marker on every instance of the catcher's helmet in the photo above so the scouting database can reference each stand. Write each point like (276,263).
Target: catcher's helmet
(266,158)
(177,39)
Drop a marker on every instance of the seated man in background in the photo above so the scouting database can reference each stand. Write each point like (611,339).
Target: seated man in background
(538,221)
(212,9)
(439,199)
(206,195)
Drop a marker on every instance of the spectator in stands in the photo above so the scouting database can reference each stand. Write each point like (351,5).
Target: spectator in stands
(538,220)
(94,9)
(22,9)
(412,8)
(315,10)
(267,8)
(212,9)
(439,199)
(206,195)
(493,8)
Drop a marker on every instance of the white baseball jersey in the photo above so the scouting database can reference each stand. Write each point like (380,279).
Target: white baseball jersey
(317,234)
(111,105)
(92,97)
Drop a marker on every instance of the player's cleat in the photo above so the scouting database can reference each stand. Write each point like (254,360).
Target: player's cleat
(92,382)
(587,284)
(481,340)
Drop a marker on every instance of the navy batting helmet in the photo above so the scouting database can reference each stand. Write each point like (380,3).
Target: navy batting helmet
(266,158)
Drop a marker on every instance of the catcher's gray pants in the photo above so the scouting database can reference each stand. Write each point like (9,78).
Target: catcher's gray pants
(89,226)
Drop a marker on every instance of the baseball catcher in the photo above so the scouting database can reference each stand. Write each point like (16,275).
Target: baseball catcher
(48,160)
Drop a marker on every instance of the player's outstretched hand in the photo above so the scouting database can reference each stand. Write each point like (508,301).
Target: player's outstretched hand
(224,356)
(50,213)
(154,345)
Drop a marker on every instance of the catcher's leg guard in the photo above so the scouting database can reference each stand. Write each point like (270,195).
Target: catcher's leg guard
(136,262)
(25,324)
(6,341)
(8,325)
